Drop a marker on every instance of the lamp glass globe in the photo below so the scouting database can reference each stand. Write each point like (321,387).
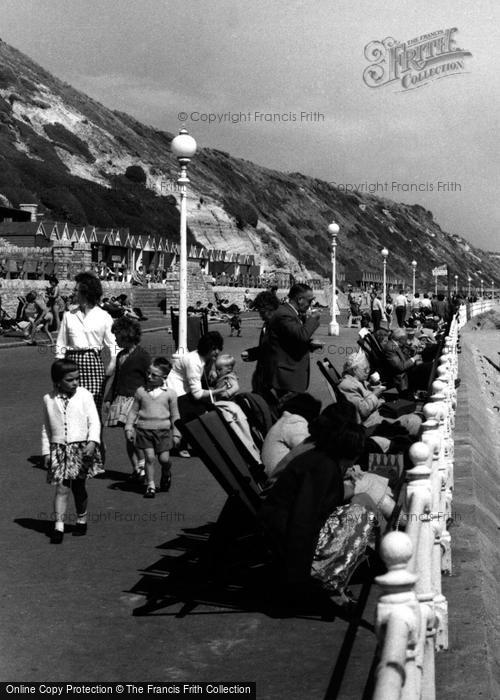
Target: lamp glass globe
(183,145)
(333,229)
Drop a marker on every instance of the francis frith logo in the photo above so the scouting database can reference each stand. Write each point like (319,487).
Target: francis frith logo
(414,63)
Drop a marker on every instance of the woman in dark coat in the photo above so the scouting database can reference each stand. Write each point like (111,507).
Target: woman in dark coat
(304,515)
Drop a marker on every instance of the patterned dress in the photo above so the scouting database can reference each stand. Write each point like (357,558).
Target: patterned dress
(67,461)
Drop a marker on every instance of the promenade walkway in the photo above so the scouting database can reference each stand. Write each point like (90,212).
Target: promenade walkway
(68,610)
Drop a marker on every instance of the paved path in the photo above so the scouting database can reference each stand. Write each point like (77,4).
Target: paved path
(68,610)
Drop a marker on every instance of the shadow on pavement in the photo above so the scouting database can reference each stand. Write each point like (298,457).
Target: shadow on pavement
(42,526)
(37,462)
(183,579)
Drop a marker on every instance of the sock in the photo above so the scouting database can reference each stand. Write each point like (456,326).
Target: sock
(59,525)
(81,519)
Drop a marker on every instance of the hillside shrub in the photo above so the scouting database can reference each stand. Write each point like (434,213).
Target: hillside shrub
(70,142)
(135,173)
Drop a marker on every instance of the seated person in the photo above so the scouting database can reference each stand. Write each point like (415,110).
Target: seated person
(420,342)
(226,381)
(398,364)
(113,307)
(139,277)
(354,304)
(365,325)
(367,400)
(306,514)
(189,377)
(129,310)
(290,430)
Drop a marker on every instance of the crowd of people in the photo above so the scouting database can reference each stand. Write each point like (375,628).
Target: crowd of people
(321,509)
(42,311)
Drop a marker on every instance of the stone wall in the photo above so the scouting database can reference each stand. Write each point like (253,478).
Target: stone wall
(471,667)
(199,289)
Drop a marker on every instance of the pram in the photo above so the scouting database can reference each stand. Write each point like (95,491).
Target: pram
(12,327)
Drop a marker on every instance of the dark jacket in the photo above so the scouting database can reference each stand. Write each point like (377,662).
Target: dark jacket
(130,375)
(287,362)
(261,382)
(398,364)
(296,508)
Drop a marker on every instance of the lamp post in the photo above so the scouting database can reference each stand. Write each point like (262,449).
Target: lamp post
(482,288)
(385,253)
(414,266)
(183,147)
(469,280)
(492,290)
(456,284)
(333,230)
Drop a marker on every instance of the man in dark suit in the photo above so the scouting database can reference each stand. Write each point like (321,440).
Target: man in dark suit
(408,373)
(290,342)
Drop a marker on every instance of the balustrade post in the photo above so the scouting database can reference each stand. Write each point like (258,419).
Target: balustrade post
(430,437)
(446,494)
(441,389)
(398,622)
(420,500)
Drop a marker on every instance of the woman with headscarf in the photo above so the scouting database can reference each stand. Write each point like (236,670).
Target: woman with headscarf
(312,531)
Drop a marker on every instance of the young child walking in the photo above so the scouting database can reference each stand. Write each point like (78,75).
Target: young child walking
(70,438)
(132,365)
(151,424)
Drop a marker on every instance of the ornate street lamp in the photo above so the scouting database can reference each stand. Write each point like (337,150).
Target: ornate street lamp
(414,266)
(333,230)
(456,284)
(183,147)
(482,294)
(385,253)
(469,280)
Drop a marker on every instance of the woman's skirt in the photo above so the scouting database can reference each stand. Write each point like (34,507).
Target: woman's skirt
(342,543)
(118,411)
(91,372)
(68,462)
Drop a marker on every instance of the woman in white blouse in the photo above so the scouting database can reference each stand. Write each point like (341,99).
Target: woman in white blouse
(85,330)
(190,371)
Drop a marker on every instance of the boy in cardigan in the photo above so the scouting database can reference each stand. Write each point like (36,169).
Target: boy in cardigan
(151,424)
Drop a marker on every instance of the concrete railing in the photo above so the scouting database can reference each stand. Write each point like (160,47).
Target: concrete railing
(412,613)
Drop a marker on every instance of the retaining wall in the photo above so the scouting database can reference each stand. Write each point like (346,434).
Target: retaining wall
(471,667)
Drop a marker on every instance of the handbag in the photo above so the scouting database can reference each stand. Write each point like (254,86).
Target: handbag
(395,409)
(342,544)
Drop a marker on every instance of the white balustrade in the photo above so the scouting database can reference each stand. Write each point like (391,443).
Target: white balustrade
(412,612)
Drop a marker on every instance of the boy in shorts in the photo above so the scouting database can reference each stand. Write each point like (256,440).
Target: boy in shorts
(151,424)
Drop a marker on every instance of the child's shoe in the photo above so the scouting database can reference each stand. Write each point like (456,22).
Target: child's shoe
(166,478)
(137,476)
(57,536)
(150,492)
(80,529)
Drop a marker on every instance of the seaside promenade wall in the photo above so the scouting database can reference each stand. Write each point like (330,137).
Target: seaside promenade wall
(471,666)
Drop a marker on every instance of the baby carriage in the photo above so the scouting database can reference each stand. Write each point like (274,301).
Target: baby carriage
(12,327)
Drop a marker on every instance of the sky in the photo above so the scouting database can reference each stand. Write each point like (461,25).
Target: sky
(284,84)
